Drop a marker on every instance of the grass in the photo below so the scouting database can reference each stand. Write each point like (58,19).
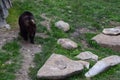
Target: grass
(91,14)
(9,60)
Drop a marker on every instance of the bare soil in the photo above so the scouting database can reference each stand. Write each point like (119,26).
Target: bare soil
(27,51)
(79,34)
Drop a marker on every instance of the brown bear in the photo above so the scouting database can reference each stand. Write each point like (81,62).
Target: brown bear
(27,26)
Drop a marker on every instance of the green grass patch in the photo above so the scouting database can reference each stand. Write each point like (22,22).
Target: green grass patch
(10,60)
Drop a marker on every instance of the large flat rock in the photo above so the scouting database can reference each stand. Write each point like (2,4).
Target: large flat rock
(108,41)
(59,67)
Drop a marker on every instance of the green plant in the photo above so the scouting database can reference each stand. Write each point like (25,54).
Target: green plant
(10,60)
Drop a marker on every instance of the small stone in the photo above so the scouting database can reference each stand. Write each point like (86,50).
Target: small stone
(62,25)
(70,11)
(67,43)
(87,55)
(8,62)
(32,66)
(28,50)
(33,54)
(4,40)
(7,26)
(102,65)
(68,7)
(111,31)
(39,46)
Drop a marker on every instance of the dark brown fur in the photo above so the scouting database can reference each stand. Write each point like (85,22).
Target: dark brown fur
(27,26)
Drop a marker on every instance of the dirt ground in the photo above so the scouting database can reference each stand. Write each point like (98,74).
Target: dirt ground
(27,51)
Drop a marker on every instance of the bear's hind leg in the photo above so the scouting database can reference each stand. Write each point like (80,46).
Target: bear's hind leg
(24,34)
(31,39)
(25,37)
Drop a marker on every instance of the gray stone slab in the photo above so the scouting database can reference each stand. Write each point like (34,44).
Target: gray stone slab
(103,64)
(59,67)
(112,42)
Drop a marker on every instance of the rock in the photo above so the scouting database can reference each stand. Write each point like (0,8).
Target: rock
(87,55)
(112,42)
(9,62)
(101,65)
(39,46)
(7,26)
(111,31)
(28,50)
(62,25)
(59,67)
(67,43)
